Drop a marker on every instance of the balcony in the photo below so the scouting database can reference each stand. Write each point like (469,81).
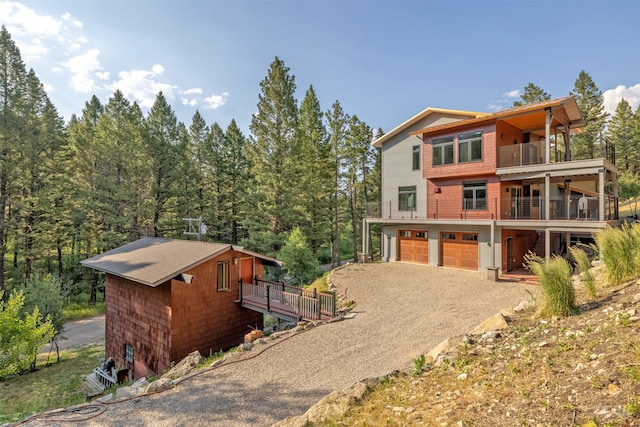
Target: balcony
(573,208)
(533,153)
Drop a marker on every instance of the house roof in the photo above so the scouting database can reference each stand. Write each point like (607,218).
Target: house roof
(424,113)
(530,117)
(152,261)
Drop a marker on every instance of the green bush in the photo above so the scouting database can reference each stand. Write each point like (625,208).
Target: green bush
(558,296)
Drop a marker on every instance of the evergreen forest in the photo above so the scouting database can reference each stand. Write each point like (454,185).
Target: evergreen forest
(296,186)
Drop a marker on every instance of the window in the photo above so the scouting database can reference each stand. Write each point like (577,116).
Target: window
(407,198)
(474,196)
(448,236)
(469,237)
(415,157)
(223,276)
(443,151)
(405,233)
(470,147)
(421,234)
(128,352)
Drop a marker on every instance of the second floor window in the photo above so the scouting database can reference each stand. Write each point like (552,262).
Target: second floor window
(407,198)
(474,196)
(443,151)
(470,147)
(415,157)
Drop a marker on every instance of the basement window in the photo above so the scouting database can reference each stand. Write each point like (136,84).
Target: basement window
(128,352)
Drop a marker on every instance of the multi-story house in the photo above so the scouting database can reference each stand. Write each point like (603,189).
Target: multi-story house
(479,191)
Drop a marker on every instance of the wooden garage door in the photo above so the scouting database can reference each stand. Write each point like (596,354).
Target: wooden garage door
(413,246)
(459,250)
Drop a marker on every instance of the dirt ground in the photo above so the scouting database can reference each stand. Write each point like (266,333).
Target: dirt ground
(401,311)
(582,370)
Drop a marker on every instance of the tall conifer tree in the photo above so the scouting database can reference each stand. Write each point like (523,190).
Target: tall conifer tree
(591,104)
(274,153)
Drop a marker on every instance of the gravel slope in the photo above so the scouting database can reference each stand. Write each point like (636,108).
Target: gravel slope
(401,311)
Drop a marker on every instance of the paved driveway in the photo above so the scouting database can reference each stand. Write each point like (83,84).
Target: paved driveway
(401,312)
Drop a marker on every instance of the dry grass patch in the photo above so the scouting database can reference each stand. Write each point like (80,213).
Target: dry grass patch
(582,370)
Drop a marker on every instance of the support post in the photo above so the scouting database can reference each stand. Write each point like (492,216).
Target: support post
(601,194)
(547,136)
(547,245)
(268,299)
(547,198)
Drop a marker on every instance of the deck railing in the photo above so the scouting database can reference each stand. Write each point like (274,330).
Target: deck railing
(290,301)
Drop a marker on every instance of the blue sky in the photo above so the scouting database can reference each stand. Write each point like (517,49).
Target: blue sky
(383,60)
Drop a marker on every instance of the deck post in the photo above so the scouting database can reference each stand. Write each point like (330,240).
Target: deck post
(268,299)
(240,291)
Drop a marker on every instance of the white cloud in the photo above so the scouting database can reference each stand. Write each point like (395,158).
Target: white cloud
(192,91)
(189,102)
(82,68)
(141,85)
(613,96)
(102,75)
(28,29)
(513,94)
(48,88)
(74,22)
(216,101)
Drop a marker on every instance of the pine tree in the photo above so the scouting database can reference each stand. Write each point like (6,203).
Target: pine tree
(337,130)
(274,153)
(531,95)
(316,175)
(591,104)
(162,136)
(237,174)
(12,128)
(620,132)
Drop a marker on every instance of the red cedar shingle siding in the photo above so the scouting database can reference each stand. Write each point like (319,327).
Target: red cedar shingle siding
(448,202)
(140,316)
(206,319)
(167,322)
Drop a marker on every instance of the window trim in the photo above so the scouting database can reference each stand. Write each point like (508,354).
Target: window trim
(441,145)
(223,282)
(468,140)
(407,191)
(128,352)
(475,187)
(415,158)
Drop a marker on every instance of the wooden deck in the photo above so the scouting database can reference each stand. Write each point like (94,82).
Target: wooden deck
(287,302)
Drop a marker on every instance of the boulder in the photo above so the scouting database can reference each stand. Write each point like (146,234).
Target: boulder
(494,323)
(331,406)
(186,366)
(253,335)
(160,385)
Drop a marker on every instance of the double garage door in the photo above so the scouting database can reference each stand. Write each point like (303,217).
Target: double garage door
(459,250)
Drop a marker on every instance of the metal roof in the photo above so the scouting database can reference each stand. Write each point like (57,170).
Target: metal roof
(152,261)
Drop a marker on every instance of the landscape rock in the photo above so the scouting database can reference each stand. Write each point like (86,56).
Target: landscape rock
(494,323)
(436,351)
(186,366)
(331,406)
(253,335)
(160,385)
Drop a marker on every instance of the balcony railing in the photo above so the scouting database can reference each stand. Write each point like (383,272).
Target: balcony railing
(574,207)
(521,155)
(533,153)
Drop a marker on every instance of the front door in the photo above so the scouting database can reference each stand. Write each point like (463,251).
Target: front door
(246,270)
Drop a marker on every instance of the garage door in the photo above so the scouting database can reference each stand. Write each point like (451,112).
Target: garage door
(413,246)
(459,250)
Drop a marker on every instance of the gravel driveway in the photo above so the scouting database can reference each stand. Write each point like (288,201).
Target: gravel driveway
(401,312)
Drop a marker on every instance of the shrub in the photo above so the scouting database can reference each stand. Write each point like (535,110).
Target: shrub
(558,296)
(584,264)
(620,251)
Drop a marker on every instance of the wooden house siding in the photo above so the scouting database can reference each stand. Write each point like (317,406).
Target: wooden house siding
(206,319)
(140,316)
